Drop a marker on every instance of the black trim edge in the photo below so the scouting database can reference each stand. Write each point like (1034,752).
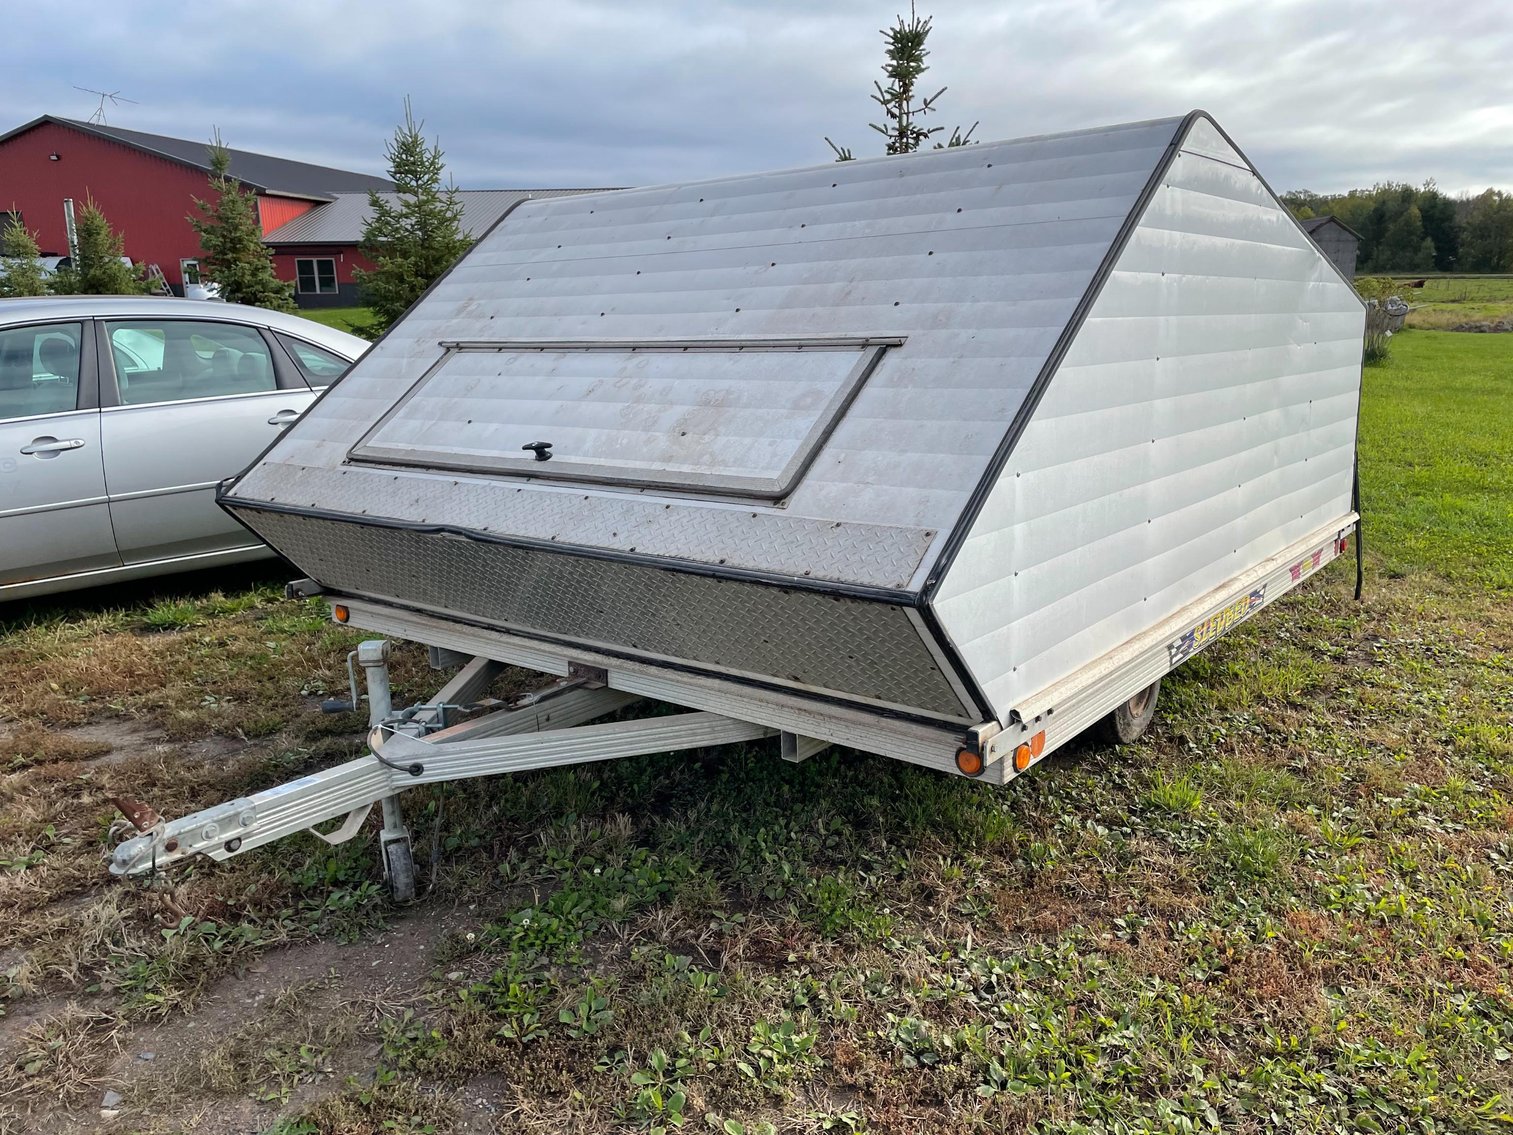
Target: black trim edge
(892,596)
(949,655)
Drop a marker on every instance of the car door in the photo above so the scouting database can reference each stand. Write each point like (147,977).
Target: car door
(54,519)
(193,402)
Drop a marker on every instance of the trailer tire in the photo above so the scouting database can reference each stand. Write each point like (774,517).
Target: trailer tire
(399,868)
(1130,720)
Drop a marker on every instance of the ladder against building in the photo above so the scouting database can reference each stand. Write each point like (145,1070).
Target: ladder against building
(157,283)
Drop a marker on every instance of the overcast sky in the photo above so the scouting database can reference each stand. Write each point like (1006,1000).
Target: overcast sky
(1325,96)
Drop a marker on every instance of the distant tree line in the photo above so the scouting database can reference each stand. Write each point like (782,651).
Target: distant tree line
(1407,229)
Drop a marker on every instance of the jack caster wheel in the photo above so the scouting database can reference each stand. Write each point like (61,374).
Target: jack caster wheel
(1131,719)
(399,870)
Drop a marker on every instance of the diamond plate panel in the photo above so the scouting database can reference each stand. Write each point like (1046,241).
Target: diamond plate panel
(863,649)
(872,555)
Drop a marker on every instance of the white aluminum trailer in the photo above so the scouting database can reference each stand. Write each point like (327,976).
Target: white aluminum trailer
(944,457)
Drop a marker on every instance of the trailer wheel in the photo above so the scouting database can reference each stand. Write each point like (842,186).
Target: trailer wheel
(1131,719)
(399,869)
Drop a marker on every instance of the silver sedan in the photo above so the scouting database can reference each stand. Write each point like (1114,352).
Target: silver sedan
(119,416)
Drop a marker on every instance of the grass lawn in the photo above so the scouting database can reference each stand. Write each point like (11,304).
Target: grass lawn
(1436,440)
(1288,908)
(349,319)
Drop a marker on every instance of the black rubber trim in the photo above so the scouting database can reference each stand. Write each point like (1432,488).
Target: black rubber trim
(90,376)
(1037,389)
(284,364)
(891,596)
(1360,531)
(947,725)
(953,660)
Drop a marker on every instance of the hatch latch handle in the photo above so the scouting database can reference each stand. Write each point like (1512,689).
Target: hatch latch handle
(542,450)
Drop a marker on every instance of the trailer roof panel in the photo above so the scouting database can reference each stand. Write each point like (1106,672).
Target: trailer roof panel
(974,261)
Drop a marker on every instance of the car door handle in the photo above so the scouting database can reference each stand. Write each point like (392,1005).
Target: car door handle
(52,445)
(284,418)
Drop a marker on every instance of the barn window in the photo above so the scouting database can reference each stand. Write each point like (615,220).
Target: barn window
(315,275)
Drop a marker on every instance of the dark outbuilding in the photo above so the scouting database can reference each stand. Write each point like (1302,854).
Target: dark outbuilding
(1338,241)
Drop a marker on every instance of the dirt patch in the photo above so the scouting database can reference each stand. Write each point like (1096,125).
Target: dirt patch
(128,739)
(177,1072)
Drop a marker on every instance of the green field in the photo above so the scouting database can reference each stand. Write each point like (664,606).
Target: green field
(1447,301)
(1436,439)
(1288,908)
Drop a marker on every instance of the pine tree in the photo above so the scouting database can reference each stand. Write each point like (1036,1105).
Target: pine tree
(904,66)
(100,268)
(233,255)
(412,235)
(20,272)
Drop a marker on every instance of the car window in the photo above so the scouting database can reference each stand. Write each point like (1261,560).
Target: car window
(321,367)
(167,360)
(39,369)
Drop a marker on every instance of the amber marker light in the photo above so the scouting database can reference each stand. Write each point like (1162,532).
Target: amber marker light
(340,613)
(1022,757)
(969,761)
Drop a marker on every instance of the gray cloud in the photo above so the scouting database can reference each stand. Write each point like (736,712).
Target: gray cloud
(588,92)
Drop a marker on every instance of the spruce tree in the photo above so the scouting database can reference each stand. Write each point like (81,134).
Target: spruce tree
(99,269)
(904,65)
(20,272)
(412,235)
(233,255)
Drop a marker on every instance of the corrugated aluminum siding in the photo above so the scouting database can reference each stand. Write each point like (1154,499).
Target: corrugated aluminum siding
(1203,419)
(977,256)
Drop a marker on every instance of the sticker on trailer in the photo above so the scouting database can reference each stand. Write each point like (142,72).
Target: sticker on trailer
(1306,565)
(1216,624)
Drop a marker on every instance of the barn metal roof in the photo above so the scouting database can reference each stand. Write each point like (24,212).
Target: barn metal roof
(341,220)
(256,171)
(1314,224)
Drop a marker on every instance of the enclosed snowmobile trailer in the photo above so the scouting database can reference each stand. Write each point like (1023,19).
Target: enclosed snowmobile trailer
(945,456)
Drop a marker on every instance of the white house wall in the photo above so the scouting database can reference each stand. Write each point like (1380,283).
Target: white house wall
(1203,419)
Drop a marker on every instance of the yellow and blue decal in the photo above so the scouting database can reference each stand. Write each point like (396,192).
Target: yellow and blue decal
(1216,624)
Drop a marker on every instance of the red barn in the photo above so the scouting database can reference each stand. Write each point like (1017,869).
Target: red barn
(146,185)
